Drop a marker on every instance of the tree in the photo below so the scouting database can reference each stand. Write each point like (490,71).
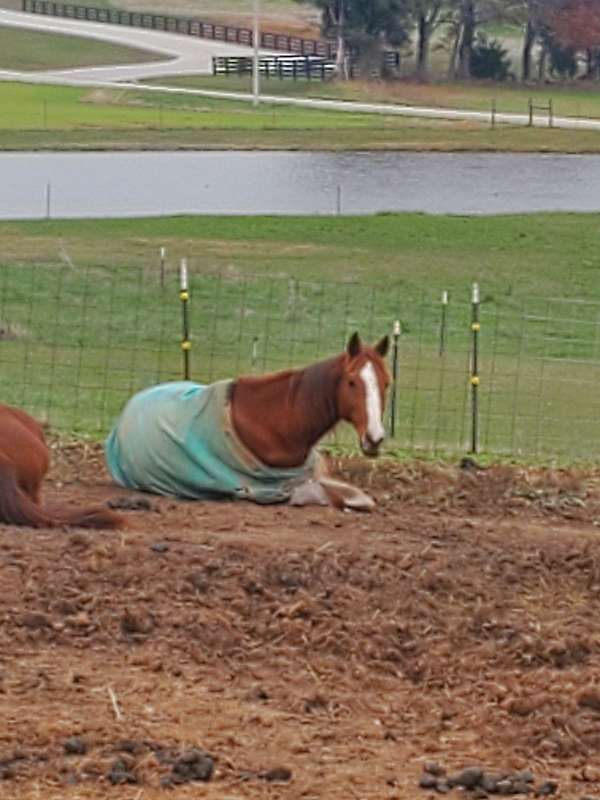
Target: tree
(467,27)
(363,24)
(575,26)
(467,15)
(428,17)
(489,59)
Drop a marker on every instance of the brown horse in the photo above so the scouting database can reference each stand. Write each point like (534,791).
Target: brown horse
(24,460)
(281,416)
(251,437)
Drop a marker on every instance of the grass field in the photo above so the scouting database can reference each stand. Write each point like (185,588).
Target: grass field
(60,118)
(85,321)
(23,51)
(568,101)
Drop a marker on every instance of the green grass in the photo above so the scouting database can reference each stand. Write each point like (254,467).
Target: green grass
(91,323)
(567,100)
(23,50)
(49,117)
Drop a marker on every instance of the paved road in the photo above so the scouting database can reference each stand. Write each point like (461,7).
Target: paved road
(188,55)
(193,56)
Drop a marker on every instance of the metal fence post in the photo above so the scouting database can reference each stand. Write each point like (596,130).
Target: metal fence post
(474,380)
(184,296)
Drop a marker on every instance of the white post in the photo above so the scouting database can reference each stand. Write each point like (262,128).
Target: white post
(183,275)
(163,255)
(255,60)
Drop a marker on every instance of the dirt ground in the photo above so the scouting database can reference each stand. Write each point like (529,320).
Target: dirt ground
(231,651)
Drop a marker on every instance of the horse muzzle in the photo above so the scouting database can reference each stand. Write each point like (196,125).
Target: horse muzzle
(369,447)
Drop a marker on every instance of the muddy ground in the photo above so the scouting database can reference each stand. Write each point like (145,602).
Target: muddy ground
(232,651)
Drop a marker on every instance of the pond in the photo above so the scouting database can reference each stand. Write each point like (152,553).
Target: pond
(36,185)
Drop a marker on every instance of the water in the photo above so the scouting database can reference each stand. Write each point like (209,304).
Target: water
(133,184)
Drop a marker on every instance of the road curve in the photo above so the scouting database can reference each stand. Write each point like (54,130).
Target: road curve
(189,55)
(193,55)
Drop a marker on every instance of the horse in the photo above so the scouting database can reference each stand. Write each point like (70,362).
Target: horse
(252,437)
(24,461)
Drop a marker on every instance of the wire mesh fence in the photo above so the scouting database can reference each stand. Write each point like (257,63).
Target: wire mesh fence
(75,344)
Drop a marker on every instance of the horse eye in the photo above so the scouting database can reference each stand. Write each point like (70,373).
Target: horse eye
(351,382)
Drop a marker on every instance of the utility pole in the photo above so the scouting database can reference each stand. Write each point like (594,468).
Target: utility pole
(255,60)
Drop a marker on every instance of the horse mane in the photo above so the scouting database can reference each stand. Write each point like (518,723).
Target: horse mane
(310,379)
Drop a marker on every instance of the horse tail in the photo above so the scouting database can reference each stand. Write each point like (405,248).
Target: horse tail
(95,517)
(17,508)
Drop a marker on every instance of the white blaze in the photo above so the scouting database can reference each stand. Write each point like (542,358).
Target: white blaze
(375,429)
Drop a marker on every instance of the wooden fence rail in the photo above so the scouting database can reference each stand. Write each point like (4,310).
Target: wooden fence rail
(281,67)
(188,26)
(295,67)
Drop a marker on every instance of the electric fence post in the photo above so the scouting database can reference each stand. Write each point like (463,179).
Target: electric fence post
(443,323)
(184,296)
(474,380)
(397,331)
(163,256)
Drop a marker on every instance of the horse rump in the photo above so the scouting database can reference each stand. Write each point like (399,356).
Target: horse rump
(17,508)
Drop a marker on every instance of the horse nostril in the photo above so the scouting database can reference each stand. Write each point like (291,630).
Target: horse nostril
(370,446)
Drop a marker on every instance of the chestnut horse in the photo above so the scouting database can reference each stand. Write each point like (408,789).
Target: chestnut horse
(252,437)
(24,460)
(281,416)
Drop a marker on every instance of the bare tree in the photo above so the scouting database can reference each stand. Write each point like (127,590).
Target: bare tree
(428,16)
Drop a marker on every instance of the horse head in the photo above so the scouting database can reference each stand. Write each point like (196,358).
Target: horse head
(361,392)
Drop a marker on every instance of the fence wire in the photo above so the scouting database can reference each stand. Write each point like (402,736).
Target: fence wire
(75,344)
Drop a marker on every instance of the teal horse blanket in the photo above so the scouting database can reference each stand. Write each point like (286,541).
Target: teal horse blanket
(177,439)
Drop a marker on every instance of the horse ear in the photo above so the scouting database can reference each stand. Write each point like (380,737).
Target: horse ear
(382,346)
(354,345)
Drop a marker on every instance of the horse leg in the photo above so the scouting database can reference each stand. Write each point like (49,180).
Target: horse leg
(343,495)
(328,492)
(339,494)
(31,482)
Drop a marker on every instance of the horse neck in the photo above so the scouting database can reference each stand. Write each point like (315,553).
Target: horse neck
(280,417)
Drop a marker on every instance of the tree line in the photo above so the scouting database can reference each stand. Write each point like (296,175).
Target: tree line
(560,38)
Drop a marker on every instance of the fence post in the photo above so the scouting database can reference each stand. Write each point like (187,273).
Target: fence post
(48,199)
(394,378)
(475,326)
(550,114)
(184,296)
(530,112)
(163,254)
(493,113)
(443,323)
